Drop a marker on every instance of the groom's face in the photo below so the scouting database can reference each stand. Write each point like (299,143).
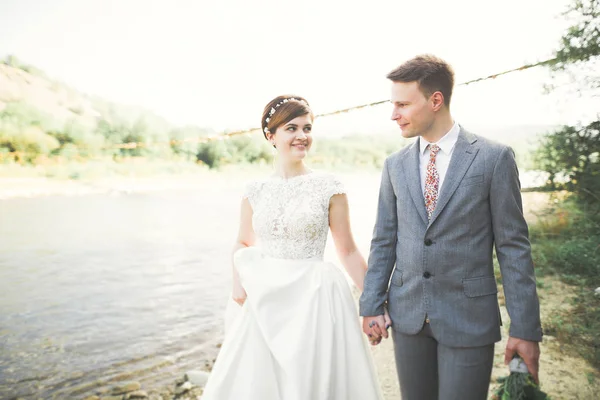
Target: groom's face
(412,111)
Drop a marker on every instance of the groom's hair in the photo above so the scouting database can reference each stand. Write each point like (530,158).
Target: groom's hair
(431,73)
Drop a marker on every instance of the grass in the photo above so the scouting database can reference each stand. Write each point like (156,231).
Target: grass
(566,243)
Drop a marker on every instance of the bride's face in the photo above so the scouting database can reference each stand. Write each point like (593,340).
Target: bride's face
(293,139)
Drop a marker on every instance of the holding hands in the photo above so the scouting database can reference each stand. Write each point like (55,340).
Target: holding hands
(376,327)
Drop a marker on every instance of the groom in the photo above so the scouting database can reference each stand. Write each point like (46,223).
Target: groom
(444,203)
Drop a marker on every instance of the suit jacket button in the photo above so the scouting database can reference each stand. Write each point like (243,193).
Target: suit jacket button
(428,242)
(426,275)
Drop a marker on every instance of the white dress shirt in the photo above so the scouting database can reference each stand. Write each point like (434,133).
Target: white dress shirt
(442,160)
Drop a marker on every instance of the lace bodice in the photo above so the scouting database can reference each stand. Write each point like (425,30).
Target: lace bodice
(291,216)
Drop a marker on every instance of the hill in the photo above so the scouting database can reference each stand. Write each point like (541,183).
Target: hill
(41,117)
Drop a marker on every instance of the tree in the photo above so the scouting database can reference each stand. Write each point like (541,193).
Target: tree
(574,151)
(580,45)
(24,129)
(211,153)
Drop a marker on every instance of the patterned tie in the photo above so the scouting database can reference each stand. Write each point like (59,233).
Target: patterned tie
(432,181)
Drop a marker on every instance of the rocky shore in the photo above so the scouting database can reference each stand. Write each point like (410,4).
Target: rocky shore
(189,387)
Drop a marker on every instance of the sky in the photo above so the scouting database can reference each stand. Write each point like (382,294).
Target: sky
(217,63)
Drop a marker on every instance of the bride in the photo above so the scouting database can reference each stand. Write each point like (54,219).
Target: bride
(297,336)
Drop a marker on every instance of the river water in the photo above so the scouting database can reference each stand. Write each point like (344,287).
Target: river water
(103,288)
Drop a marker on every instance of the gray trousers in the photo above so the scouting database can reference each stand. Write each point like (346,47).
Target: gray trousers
(428,370)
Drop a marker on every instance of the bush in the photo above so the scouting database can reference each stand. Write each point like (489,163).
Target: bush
(211,154)
(566,239)
(566,242)
(573,152)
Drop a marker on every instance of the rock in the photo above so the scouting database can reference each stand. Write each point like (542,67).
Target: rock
(138,394)
(195,393)
(548,338)
(103,391)
(126,388)
(198,378)
(111,398)
(180,381)
(166,394)
(183,388)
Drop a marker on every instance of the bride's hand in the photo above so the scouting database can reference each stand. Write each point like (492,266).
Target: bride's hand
(238,294)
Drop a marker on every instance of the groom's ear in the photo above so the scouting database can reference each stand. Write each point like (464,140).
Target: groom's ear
(437,100)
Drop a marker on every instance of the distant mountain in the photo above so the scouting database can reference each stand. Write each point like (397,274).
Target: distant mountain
(23,83)
(40,116)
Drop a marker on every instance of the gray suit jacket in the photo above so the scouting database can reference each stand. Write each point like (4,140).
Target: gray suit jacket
(443,268)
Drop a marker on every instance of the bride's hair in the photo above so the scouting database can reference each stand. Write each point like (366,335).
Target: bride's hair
(281,110)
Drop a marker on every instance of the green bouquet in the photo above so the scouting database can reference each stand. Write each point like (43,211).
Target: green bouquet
(519,385)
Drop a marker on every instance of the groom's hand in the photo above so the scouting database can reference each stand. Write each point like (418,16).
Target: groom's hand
(529,352)
(375,328)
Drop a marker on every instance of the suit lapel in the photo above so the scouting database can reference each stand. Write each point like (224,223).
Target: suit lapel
(410,166)
(463,155)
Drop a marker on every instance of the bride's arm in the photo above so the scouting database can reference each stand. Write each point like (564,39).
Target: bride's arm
(350,256)
(245,238)
(353,261)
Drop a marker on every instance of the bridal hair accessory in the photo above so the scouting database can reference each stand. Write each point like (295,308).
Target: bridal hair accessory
(275,107)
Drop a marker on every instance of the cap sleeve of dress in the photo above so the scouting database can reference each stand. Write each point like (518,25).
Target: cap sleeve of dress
(335,186)
(251,192)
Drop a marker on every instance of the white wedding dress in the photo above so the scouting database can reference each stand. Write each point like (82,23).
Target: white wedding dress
(298,335)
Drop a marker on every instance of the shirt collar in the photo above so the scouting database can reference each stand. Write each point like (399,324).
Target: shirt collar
(446,143)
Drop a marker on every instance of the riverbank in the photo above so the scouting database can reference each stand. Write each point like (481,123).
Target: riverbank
(11,188)
(189,387)
(29,186)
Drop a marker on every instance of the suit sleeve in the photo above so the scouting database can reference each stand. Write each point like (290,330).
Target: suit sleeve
(382,257)
(513,249)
